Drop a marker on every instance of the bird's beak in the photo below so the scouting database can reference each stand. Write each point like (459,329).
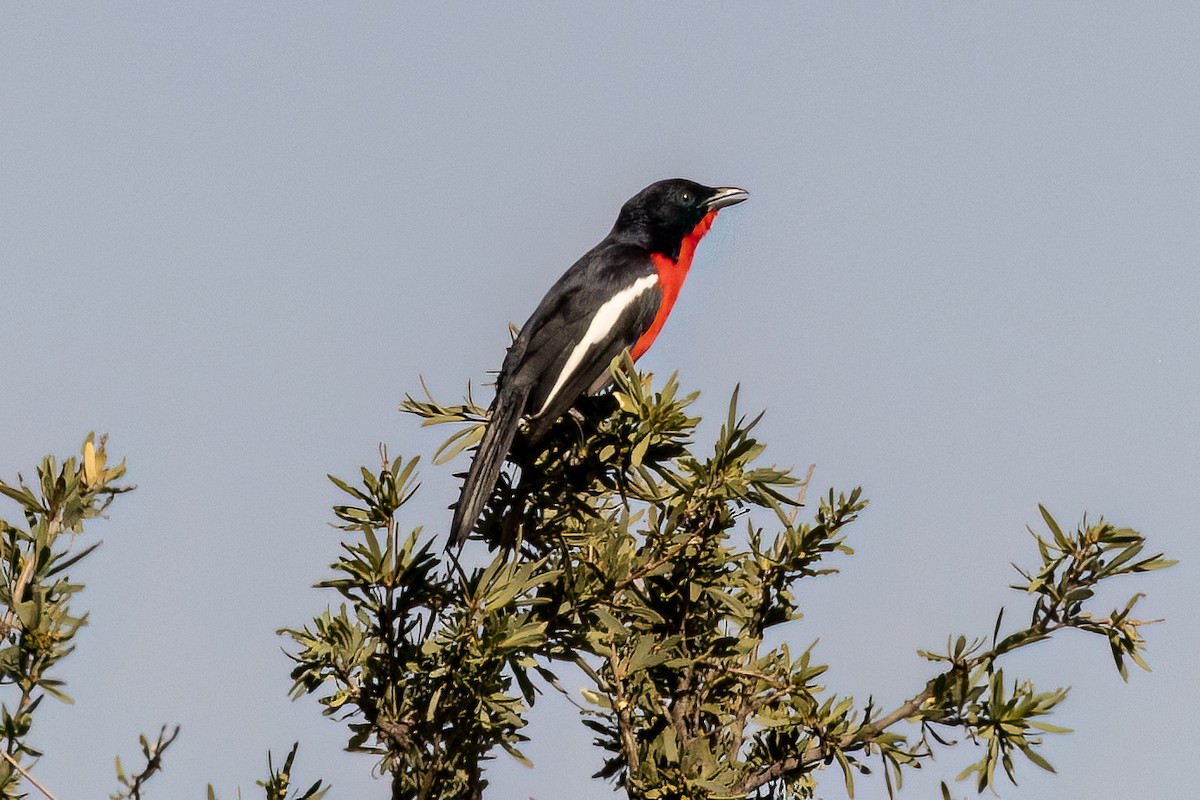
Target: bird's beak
(725,196)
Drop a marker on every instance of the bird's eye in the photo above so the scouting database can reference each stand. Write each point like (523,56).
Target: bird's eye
(686,196)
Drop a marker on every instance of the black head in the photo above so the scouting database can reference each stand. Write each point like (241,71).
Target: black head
(662,214)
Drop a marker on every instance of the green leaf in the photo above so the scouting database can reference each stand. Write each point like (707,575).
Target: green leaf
(1053,526)
(639,452)
(52,686)
(527,636)
(517,754)
(458,442)
(610,622)
(1047,727)
(1037,758)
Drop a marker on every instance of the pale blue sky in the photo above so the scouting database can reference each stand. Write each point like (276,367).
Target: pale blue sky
(234,235)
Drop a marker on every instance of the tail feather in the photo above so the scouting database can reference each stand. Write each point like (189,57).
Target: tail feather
(485,468)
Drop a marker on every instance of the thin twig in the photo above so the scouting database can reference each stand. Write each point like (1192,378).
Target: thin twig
(801,495)
(28,776)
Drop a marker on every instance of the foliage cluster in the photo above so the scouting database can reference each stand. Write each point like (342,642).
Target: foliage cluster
(38,626)
(662,578)
(659,575)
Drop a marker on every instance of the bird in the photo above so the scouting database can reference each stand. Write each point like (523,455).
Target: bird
(616,296)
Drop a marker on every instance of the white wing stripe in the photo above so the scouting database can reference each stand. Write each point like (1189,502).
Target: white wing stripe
(602,324)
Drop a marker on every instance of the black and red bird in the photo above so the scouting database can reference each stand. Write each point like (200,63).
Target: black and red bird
(617,296)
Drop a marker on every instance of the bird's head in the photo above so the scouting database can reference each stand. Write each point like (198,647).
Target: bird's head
(664,213)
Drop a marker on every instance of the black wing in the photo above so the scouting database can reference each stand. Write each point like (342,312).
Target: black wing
(599,307)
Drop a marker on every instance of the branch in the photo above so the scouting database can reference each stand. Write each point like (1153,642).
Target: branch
(153,754)
(866,733)
(398,733)
(628,740)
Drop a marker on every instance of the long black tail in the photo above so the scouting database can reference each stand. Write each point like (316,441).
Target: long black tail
(485,468)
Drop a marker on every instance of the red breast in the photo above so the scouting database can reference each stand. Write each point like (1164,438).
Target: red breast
(671,272)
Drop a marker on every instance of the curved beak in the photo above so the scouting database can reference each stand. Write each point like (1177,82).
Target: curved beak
(725,196)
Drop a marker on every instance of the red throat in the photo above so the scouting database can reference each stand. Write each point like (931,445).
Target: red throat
(671,273)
